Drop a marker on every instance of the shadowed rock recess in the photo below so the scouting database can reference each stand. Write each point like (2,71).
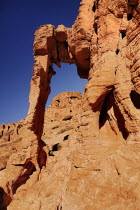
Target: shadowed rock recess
(82,153)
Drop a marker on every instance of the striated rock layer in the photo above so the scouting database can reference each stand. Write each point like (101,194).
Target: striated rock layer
(82,152)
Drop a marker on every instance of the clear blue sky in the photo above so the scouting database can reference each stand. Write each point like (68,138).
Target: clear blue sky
(18,22)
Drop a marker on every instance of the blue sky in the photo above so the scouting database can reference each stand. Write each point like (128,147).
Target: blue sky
(18,21)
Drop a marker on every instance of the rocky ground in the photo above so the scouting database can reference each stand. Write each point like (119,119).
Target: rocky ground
(79,165)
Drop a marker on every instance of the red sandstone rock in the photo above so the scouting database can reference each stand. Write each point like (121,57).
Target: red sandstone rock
(83,151)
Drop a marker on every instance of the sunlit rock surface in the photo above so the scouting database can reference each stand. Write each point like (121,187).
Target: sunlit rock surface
(82,153)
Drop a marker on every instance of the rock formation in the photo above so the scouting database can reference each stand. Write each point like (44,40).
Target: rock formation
(82,152)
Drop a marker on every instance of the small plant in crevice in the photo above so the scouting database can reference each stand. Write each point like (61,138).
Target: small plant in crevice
(55,147)
(51,153)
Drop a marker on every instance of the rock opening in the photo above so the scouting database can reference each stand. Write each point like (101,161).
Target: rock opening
(135,97)
(66,137)
(123,34)
(129,16)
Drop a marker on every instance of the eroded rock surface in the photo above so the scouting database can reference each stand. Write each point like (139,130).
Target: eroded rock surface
(83,151)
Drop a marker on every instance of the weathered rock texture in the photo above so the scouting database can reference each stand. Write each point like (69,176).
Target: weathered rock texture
(83,152)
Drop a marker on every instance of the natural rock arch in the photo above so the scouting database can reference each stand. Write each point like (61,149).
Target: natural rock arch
(88,44)
(49,49)
(100,43)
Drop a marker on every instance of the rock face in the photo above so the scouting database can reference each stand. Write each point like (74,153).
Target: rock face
(82,152)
